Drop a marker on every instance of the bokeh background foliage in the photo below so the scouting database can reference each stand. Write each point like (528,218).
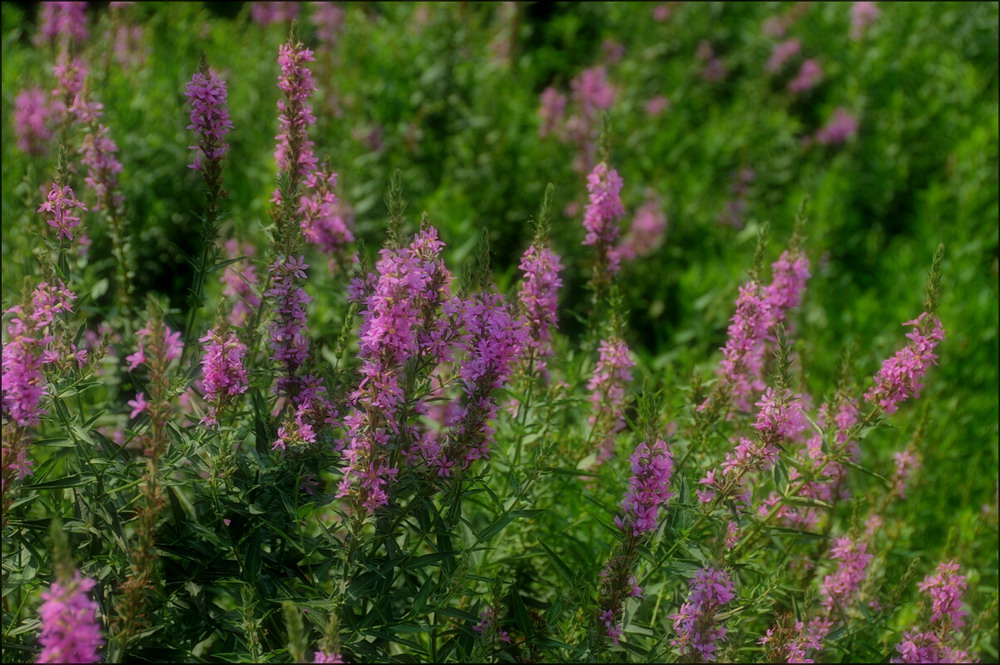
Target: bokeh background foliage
(427,90)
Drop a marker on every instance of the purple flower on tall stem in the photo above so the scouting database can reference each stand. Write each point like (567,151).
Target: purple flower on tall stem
(646,234)
(607,393)
(808,77)
(782,53)
(649,488)
(60,204)
(327,657)
(601,216)
(288,334)
(240,283)
(268,13)
(839,587)
(839,129)
(32,115)
(901,376)
(323,221)
(70,631)
(58,20)
(209,116)
(223,370)
(947,618)
(294,152)
(538,293)
(698,632)
(551,111)
(863,14)
(945,589)
(103,167)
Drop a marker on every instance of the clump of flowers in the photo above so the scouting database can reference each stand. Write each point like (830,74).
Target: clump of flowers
(698,632)
(240,283)
(60,204)
(70,631)
(294,153)
(901,376)
(323,221)
(98,152)
(538,293)
(32,116)
(268,13)
(939,644)
(224,374)
(488,627)
(62,21)
(646,233)
(839,587)
(601,216)
(782,53)
(607,393)
(839,129)
(329,21)
(553,106)
(808,77)
(863,14)
(649,488)
(288,337)
(208,97)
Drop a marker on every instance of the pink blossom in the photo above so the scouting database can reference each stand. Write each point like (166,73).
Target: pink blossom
(839,587)
(538,293)
(294,149)
(698,635)
(32,119)
(208,96)
(139,405)
(60,203)
(607,392)
(645,235)
(657,105)
(553,106)
(329,21)
(901,376)
(103,167)
(863,14)
(70,630)
(782,53)
(603,211)
(59,20)
(327,657)
(839,129)
(808,77)
(223,369)
(945,589)
(649,488)
(268,13)
(322,215)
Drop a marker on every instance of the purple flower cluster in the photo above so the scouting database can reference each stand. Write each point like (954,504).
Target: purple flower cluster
(782,53)
(551,111)
(172,346)
(790,273)
(267,13)
(945,589)
(103,167)
(327,657)
(607,392)
(288,335)
(488,625)
(329,21)
(839,587)
(649,488)
(795,645)
(209,116)
(224,374)
(62,19)
(29,346)
(70,75)
(808,77)
(538,293)
(901,376)
(295,151)
(240,284)
(929,647)
(32,116)
(60,203)
(322,217)
(591,93)
(601,216)
(70,631)
(646,234)
(863,14)
(907,463)
(398,322)
(839,129)
(656,105)
(698,636)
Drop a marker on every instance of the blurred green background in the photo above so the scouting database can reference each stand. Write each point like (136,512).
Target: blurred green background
(449,94)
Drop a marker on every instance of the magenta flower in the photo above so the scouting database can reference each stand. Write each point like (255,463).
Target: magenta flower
(329,21)
(603,211)
(839,129)
(487,626)
(70,631)
(32,116)
(901,376)
(323,221)
(171,342)
(907,463)
(103,167)
(649,488)
(326,657)
(646,234)
(945,589)
(607,393)
(539,296)
(224,374)
(657,105)
(839,587)
(268,13)
(782,53)
(808,77)
(698,636)
(592,91)
(743,354)
(139,405)
(553,106)
(790,273)
(59,20)
(661,13)
(60,203)
(295,150)
(209,116)
(929,647)
(863,14)
(289,339)
(240,284)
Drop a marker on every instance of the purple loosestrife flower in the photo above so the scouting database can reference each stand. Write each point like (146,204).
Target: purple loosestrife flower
(487,626)
(782,53)
(661,13)
(98,150)
(139,405)
(209,116)
(591,94)
(646,234)
(929,647)
(945,589)
(328,19)
(901,376)
(839,587)
(657,105)
(322,217)
(863,14)
(649,488)
(60,203)
(808,77)
(602,213)
(551,111)
(790,273)
(294,152)
(70,76)
(839,129)
(223,370)
(288,335)
(492,343)
(698,634)
(327,657)
(70,630)
(60,20)
(172,346)
(607,393)
(32,115)
(268,13)
(239,284)
(793,644)
(743,353)
(907,463)
(539,296)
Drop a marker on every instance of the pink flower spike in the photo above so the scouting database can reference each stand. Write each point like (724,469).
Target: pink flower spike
(138,405)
